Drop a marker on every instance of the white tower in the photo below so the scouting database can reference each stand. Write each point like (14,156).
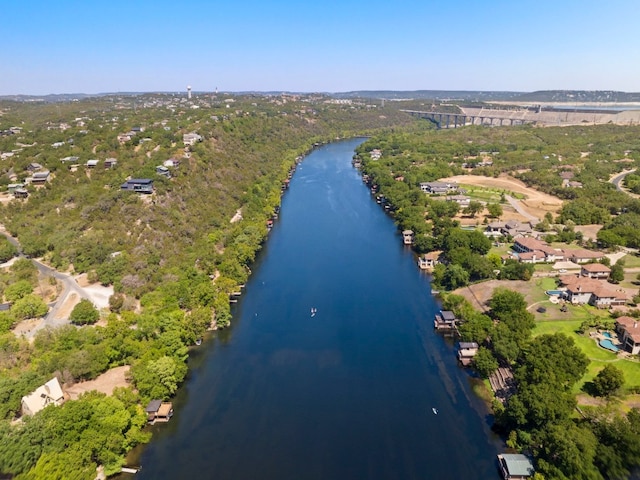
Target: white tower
(189,92)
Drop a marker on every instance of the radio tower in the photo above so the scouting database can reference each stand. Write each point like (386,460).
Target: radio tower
(189,92)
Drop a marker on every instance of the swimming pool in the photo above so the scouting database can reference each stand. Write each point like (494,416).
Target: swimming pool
(557,293)
(607,334)
(608,344)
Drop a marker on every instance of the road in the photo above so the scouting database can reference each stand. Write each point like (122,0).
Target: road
(69,287)
(518,208)
(617,180)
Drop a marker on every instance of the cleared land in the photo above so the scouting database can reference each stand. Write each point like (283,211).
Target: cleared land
(535,203)
(105,383)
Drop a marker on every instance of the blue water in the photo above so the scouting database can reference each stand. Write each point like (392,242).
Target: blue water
(346,394)
(608,344)
(607,334)
(554,292)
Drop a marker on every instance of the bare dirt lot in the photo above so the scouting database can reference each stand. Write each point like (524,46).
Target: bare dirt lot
(536,203)
(105,383)
(480,293)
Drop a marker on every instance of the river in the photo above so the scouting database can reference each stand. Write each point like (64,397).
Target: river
(345,394)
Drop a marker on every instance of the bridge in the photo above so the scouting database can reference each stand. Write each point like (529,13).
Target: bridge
(455,120)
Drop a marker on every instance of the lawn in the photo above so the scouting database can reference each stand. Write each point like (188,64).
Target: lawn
(598,356)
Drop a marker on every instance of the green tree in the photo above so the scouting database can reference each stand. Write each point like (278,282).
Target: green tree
(617,273)
(7,250)
(494,210)
(29,306)
(18,290)
(473,209)
(484,362)
(608,380)
(84,313)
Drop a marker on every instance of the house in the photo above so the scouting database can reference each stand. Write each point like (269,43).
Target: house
(125,137)
(57,144)
(461,200)
(407,237)
(171,163)
(191,138)
(445,320)
(140,185)
(438,188)
(515,466)
(582,255)
(20,193)
(584,290)
(163,171)
(92,163)
(71,159)
(542,250)
(12,187)
(428,260)
(375,154)
(595,270)
(110,163)
(628,330)
(48,394)
(159,411)
(466,352)
(514,228)
(40,177)
(34,167)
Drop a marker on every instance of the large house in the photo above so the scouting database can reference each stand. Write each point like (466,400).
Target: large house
(511,228)
(628,329)
(583,256)
(532,250)
(585,290)
(48,394)
(595,270)
(438,188)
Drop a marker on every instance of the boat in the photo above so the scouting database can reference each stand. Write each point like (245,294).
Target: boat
(313,311)
(199,341)
(434,410)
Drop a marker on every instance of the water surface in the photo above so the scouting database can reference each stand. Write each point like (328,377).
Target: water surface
(347,393)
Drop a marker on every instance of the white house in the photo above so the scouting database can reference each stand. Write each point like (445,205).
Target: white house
(48,394)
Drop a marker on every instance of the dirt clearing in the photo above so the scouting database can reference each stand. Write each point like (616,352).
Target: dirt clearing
(105,383)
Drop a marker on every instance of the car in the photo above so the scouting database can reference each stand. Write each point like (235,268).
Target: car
(563,270)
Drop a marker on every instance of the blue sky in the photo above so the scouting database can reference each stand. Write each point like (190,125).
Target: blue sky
(97,46)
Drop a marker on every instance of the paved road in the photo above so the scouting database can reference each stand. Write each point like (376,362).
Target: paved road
(69,285)
(516,205)
(617,180)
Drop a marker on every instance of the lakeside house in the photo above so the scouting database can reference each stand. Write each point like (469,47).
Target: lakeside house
(429,260)
(159,411)
(628,330)
(48,394)
(512,228)
(445,320)
(407,237)
(466,352)
(515,466)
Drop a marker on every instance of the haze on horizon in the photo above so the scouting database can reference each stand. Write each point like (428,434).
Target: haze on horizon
(74,46)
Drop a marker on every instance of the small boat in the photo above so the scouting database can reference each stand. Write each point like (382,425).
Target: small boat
(434,410)
(199,341)
(313,311)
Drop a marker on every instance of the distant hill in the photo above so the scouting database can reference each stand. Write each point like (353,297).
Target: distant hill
(469,96)
(579,96)
(563,96)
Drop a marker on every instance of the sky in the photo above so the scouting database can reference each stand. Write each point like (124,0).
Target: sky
(100,46)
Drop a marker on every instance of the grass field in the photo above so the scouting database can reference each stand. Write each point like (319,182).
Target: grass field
(598,356)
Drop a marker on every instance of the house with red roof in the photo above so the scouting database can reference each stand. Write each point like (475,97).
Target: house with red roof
(628,329)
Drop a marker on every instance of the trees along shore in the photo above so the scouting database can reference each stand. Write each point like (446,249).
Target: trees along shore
(172,256)
(540,417)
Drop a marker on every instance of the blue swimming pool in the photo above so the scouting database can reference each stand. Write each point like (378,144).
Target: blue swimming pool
(557,293)
(607,334)
(608,344)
